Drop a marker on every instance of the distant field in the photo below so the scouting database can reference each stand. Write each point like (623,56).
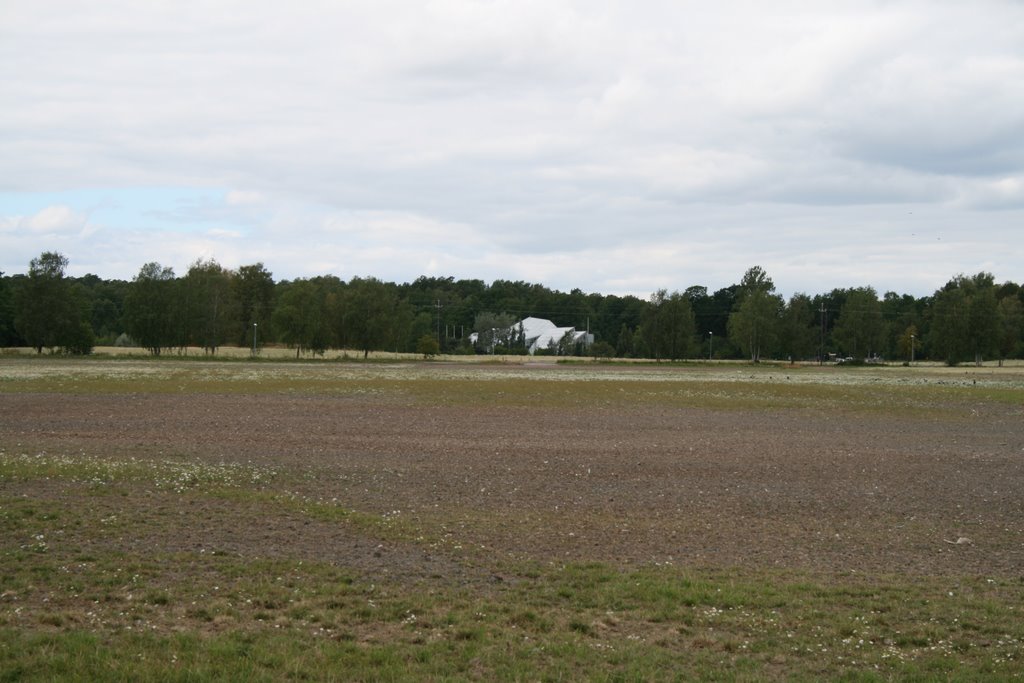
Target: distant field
(171,520)
(283,353)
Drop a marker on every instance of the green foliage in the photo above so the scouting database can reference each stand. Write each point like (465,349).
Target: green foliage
(148,308)
(798,330)
(965,319)
(79,340)
(253,290)
(754,325)
(211,307)
(1011,319)
(602,349)
(48,310)
(300,317)
(900,312)
(755,320)
(909,343)
(495,330)
(8,335)
(860,330)
(669,326)
(103,305)
(756,280)
(624,345)
(428,346)
(983,323)
(376,319)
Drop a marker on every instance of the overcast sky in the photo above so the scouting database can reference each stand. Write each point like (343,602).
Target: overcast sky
(618,147)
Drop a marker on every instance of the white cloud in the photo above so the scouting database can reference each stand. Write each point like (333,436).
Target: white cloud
(482,136)
(993,193)
(243,198)
(221,233)
(57,220)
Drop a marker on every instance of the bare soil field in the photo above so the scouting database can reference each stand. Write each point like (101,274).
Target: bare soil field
(621,484)
(465,477)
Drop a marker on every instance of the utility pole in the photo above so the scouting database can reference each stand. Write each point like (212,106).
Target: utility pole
(437,305)
(821,348)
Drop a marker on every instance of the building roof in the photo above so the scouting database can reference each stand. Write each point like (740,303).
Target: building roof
(539,333)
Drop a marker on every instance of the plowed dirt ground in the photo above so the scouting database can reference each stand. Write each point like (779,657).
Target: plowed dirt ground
(650,479)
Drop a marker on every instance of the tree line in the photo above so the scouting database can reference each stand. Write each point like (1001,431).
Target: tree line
(970,318)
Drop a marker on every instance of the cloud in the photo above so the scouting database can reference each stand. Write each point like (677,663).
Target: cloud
(51,221)
(243,198)
(597,144)
(1004,193)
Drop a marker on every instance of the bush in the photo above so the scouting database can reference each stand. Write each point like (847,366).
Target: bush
(602,349)
(428,346)
(80,340)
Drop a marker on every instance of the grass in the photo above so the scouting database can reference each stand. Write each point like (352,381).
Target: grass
(71,610)
(76,606)
(922,392)
(576,621)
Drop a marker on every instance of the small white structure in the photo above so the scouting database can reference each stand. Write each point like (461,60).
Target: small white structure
(544,334)
(541,334)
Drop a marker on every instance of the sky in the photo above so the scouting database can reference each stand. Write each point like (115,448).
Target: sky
(615,147)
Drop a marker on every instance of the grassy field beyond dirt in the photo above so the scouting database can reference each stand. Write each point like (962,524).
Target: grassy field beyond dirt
(174,520)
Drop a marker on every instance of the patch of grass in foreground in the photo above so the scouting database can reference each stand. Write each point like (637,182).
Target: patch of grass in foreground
(577,622)
(72,610)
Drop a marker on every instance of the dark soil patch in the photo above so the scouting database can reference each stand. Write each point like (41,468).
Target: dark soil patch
(691,487)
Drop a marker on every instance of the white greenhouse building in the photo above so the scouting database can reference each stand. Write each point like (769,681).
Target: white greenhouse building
(540,334)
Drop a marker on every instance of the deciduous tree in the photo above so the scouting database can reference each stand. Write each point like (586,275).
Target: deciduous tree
(909,342)
(253,287)
(494,330)
(8,335)
(47,312)
(300,318)
(1011,327)
(949,336)
(983,322)
(212,308)
(148,305)
(860,330)
(373,307)
(754,323)
(669,325)
(798,330)
(428,346)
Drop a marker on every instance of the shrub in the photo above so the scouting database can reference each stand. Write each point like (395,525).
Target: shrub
(428,346)
(602,349)
(80,340)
